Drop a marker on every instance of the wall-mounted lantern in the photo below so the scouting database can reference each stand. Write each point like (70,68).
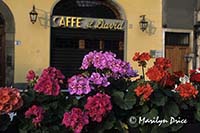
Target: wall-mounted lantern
(33,15)
(143,23)
(188,58)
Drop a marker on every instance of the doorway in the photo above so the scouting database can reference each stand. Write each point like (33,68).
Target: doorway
(68,46)
(7,47)
(2,51)
(176,48)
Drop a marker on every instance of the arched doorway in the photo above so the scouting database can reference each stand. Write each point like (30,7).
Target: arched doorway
(7,37)
(2,51)
(69,45)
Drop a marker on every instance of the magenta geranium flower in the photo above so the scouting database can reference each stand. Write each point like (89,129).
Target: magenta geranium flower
(98,79)
(49,81)
(37,112)
(30,75)
(76,119)
(98,106)
(108,61)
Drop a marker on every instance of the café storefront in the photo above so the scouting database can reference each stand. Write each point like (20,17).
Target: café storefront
(84,34)
(66,30)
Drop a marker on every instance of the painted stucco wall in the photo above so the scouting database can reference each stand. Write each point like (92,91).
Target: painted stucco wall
(138,41)
(179,16)
(34,50)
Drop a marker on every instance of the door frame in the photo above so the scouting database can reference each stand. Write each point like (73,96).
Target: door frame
(3,55)
(191,41)
(9,43)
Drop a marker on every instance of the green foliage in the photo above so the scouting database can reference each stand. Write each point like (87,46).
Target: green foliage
(55,108)
(124,100)
(159,99)
(6,122)
(152,113)
(197,113)
(157,129)
(171,109)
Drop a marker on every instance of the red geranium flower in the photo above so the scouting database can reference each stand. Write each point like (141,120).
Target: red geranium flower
(155,74)
(141,58)
(195,75)
(179,74)
(187,90)
(10,100)
(163,63)
(168,80)
(145,91)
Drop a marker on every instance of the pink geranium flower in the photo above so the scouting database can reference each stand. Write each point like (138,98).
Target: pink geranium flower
(49,81)
(37,112)
(75,119)
(98,106)
(30,75)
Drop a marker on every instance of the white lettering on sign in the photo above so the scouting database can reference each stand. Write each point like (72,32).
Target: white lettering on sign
(87,23)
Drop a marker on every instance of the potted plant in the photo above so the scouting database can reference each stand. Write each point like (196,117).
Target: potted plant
(109,96)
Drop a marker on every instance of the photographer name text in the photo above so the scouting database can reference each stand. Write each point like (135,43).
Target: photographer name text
(156,120)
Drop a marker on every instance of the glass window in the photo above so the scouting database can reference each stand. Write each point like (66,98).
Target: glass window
(177,38)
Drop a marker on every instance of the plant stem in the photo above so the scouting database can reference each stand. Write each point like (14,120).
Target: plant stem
(143,73)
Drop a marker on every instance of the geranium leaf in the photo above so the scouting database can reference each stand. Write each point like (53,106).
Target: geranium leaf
(197,113)
(155,86)
(23,131)
(152,113)
(145,129)
(168,92)
(6,122)
(124,101)
(159,99)
(171,109)
(75,102)
(28,97)
(145,109)
(132,87)
(157,129)
(176,127)
(130,100)
(107,125)
(54,105)
(120,127)
(118,98)
(184,106)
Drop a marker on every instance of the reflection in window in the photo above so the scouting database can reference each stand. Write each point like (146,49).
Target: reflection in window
(66,43)
(92,44)
(87,3)
(177,38)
